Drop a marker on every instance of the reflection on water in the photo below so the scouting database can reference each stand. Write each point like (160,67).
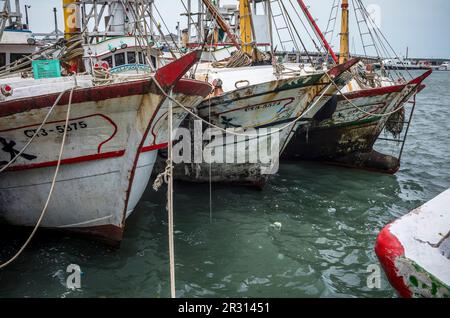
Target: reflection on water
(310,233)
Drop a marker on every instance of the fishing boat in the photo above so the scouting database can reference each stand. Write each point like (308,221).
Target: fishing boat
(401,64)
(415,250)
(346,129)
(444,66)
(256,102)
(106,165)
(220,42)
(115,128)
(265,104)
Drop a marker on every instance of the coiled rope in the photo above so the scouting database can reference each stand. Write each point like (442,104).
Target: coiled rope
(44,210)
(237,59)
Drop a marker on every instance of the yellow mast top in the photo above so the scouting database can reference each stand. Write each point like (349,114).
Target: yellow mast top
(245,24)
(71,18)
(344,55)
(72,28)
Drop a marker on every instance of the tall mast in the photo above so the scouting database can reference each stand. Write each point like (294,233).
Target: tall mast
(72,29)
(71,19)
(344,50)
(245,22)
(317,30)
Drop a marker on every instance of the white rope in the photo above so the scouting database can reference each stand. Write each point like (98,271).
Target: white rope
(44,210)
(293,122)
(170,205)
(35,134)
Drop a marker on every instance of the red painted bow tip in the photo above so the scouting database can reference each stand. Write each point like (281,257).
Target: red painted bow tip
(168,75)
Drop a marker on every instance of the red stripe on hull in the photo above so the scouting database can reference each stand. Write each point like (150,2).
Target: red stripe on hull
(372,92)
(190,87)
(92,94)
(154,147)
(106,155)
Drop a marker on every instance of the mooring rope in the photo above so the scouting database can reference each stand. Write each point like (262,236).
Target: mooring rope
(362,110)
(170,205)
(44,210)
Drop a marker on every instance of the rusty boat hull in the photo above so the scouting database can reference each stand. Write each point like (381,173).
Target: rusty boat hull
(115,133)
(343,135)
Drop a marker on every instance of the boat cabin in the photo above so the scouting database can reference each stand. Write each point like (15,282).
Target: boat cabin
(121,54)
(15,44)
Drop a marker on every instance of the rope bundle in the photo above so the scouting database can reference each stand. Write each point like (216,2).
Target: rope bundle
(396,123)
(237,59)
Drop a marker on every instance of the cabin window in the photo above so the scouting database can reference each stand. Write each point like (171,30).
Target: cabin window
(2,59)
(131,57)
(109,60)
(119,59)
(140,58)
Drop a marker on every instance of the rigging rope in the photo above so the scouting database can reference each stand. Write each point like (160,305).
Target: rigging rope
(294,121)
(359,108)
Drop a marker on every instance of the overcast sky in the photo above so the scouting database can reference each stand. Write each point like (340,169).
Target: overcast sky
(423,26)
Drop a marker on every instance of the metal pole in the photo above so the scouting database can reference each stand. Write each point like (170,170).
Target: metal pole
(269,23)
(18,14)
(170,203)
(56,22)
(200,22)
(150,22)
(179,33)
(189,7)
(317,30)
(344,54)
(26,15)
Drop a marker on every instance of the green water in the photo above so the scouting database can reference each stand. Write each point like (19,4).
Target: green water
(329,220)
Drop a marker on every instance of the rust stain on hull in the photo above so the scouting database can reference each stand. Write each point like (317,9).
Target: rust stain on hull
(349,146)
(332,142)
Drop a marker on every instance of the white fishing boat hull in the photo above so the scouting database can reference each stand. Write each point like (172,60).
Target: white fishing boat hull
(108,155)
(98,166)
(415,250)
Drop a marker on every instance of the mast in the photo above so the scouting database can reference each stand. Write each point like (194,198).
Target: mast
(344,50)
(71,19)
(245,22)
(317,30)
(72,30)
(221,22)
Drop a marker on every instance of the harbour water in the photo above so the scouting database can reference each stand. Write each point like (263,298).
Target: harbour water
(310,233)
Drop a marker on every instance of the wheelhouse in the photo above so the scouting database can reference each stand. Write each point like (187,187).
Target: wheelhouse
(121,53)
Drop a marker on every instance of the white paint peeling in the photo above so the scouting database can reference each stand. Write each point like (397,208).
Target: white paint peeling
(422,234)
